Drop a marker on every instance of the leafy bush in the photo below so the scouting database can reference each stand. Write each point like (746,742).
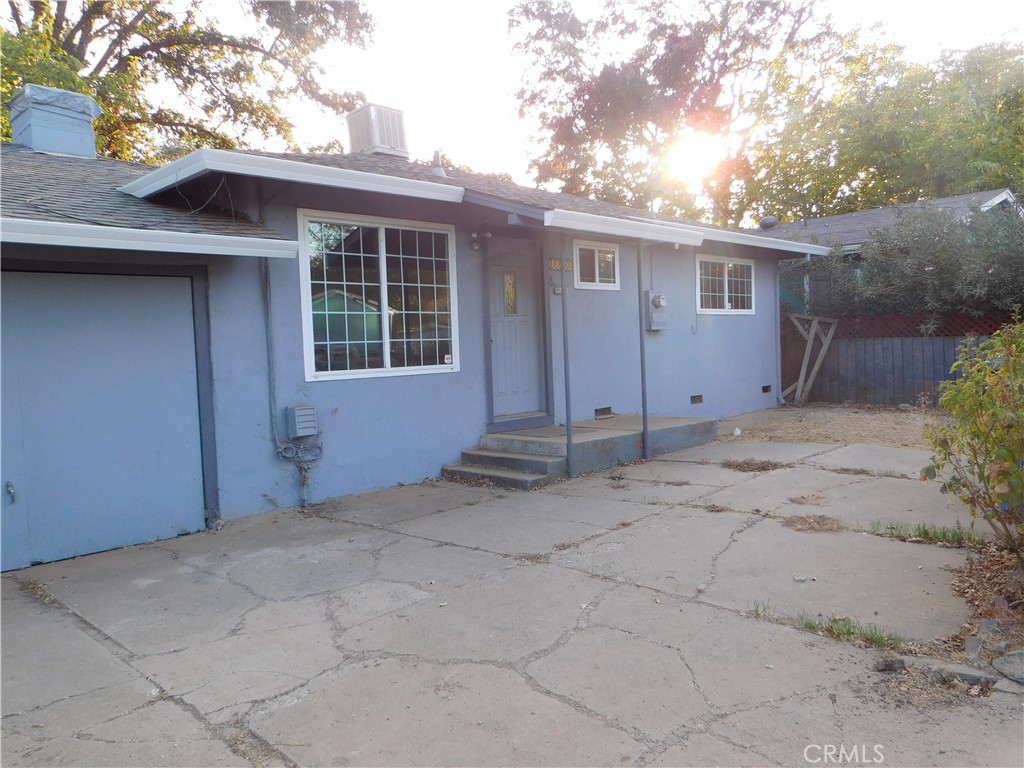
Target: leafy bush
(983,444)
(931,260)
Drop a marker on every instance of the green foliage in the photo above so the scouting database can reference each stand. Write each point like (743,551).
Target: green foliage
(886,132)
(930,261)
(983,447)
(230,85)
(612,93)
(820,123)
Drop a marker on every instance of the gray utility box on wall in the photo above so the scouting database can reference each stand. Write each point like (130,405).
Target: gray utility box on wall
(301,421)
(657,318)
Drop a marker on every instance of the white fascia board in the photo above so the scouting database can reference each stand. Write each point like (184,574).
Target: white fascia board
(741,238)
(60,233)
(223,161)
(660,232)
(1001,197)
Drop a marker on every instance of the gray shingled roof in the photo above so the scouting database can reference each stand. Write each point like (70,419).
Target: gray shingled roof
(62,188)
(851,229)
(506,191)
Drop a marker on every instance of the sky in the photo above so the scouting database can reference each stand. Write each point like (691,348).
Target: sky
(449,66)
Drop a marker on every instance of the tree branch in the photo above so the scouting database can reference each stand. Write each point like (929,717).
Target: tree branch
(123,34)
(59,18)
(84,31)
(16,15)
(208,40)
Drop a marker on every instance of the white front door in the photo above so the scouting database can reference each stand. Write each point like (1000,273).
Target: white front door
(517,349)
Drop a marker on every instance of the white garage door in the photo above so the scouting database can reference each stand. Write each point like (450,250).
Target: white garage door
(100,414)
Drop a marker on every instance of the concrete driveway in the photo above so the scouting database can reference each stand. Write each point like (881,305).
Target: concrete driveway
(638,616)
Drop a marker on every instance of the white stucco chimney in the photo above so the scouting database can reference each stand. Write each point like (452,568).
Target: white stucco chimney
(51,120)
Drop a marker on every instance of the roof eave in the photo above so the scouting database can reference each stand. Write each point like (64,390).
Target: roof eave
(239,163)
(591,223)
(58,233)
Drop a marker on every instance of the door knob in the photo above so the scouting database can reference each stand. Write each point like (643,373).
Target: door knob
(10,490)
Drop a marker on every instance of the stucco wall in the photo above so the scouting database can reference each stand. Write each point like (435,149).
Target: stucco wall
(725,358)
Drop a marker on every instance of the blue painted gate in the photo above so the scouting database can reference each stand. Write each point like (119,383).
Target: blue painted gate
(100,441)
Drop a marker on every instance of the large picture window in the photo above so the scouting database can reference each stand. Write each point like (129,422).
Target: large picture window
(379,297)
(725,286)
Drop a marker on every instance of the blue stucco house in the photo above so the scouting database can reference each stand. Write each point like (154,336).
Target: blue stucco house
(237,332)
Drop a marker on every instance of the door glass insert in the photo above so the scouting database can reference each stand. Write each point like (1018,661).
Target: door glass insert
(511,300)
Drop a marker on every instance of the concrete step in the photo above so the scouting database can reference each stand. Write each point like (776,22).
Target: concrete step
(505,478)
(552,466)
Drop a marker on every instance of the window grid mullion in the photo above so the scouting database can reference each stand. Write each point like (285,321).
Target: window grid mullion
(385,300)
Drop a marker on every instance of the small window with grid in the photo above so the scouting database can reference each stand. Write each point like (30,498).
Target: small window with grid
(725,286)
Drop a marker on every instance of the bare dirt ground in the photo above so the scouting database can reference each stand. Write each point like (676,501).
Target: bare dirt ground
(826,423)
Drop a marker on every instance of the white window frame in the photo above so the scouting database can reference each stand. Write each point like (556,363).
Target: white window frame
(578,282)
(305,217)
(724,260)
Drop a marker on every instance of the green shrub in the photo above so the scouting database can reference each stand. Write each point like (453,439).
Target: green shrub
(983,444)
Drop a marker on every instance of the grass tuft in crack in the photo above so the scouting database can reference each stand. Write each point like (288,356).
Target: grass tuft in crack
(845,628)
(752,465)
(933,534)
(762,610)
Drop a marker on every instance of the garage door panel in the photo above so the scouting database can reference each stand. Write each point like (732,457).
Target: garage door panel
(109,423)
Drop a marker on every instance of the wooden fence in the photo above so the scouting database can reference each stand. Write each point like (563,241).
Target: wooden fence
(879,371)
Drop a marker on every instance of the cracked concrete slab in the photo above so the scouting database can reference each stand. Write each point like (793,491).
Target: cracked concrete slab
(456,625)
(649,552)
(161,734)
(405,502)
(885,501)
(488,528)
(784,453)
(603,512)
(57,679)
(771,490)
(877,459)
(681,472)
(245,667)
(901,587)
(630,490)
(401,712)
(430,566)
(501,618)
(703,748)
(766,661)
(638,683)
(975,734)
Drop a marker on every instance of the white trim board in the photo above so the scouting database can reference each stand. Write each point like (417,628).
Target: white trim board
(223,161)
(664,232)
(35,232)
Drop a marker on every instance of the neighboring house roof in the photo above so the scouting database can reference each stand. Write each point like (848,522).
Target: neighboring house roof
(48,198)
(852,229)
(392,175)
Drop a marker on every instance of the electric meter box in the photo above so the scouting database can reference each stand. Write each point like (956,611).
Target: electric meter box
(657,317)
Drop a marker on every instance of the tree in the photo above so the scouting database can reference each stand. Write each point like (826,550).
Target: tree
(611,94)
(122,52)
(888,132)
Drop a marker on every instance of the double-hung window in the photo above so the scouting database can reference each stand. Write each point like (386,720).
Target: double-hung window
(378,296)
(725,286)
(597,265)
